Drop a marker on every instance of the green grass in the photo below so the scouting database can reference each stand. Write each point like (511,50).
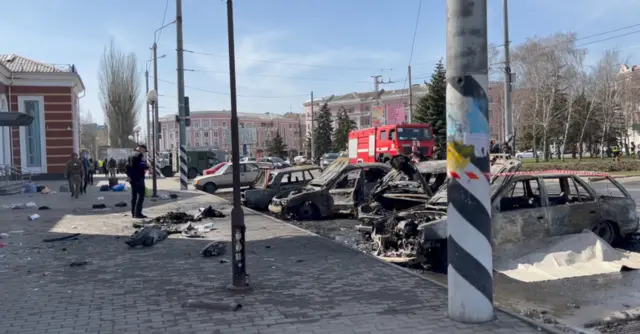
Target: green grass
(569,160)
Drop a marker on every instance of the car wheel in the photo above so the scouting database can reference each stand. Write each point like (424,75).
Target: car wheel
(166,171)
(307,211)
(210,187)
(192,173)
(606,231)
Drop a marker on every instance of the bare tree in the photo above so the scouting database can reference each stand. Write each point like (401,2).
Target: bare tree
(606,92)
(88,134)
(574,84)
(119,93)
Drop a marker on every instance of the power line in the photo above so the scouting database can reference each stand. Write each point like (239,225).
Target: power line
(413,42)
(247,96)
(275,76)
(283,63)
(164,18)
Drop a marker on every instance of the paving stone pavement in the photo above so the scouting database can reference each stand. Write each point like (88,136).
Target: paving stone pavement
(301,283)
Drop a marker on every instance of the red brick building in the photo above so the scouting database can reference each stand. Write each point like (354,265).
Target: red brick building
(496,110)
(51,95)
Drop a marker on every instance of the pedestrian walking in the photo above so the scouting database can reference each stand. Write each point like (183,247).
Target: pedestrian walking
(74,173)
(85,176)
(105,167)
(112,168)
(93,165)
(136,168)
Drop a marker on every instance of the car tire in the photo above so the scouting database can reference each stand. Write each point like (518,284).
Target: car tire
(210,187)
(192,173)
(167,171)
(307,211)
(607,231)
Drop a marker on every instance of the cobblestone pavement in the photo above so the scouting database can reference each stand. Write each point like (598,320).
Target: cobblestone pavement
(301,283)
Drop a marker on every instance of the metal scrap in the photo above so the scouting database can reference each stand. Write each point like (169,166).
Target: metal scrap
(215,248)
(146,236)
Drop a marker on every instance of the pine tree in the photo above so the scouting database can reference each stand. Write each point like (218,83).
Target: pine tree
(322,132)
(276,146)
(344,125)
(432,108)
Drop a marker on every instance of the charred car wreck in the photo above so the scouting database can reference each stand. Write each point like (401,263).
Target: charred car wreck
(271,182)
(524,207)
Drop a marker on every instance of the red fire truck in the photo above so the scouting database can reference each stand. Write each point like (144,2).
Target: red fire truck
(380,144)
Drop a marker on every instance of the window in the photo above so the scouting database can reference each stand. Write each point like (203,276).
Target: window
(224,124)
(392,134)
(215,124)
(578,193)
(196,124)
(348,180)
(215,134)
(383,135)
(216,145)
(307,175)
(557,190)
(206,134)
(205,124)
(607,188)
(197,143)
(32,134)
(521,194)
(171,136)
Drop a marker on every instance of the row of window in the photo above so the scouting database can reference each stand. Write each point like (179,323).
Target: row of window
(196,124)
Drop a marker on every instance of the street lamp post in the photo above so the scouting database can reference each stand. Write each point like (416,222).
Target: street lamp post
(238,228)
(152,99)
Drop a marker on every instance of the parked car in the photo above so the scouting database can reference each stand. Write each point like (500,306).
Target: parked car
(341,188)
(528,154)
(273,163)
(213,169)
(271,182)
(524,207)
(299,160)
(327,159)
(223,177)
(248,159)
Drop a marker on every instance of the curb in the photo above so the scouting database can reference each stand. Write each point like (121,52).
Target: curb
(536,324)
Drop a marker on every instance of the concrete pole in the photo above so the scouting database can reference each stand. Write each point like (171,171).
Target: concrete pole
(410,96)
(313,141)
(146,76)
(156,142)
(469,250)
(508,112)
(238,229)
(184,181)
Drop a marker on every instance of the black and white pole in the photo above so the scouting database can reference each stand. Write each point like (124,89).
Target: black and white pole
(469,250)
(181,105)
(157,168)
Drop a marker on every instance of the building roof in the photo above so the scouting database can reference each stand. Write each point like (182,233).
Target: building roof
(19,64)
(366,96)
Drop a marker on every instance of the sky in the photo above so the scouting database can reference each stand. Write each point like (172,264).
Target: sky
(286,49)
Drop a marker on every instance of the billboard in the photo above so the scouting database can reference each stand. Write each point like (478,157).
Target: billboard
(395,114)
(377,115)
(247,136)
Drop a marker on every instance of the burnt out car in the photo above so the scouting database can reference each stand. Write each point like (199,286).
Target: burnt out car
(402,188)
(341,188)
(271,182)
(524,207)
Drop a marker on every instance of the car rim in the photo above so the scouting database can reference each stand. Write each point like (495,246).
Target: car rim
(306,211)
(605,231)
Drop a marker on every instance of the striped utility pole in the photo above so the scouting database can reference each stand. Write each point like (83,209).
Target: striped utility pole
(469,250)
(181,100)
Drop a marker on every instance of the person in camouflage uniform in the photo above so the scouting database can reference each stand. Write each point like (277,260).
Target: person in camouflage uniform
(74,173)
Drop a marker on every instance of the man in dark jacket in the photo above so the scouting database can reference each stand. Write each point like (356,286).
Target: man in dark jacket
(136,168)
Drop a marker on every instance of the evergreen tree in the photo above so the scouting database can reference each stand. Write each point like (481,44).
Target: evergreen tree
(322,132)
(276,146)
(432,108)
(344,125)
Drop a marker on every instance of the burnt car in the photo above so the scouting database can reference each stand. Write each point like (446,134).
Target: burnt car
(271,182)
(402,188)
(341,188)
(524,207)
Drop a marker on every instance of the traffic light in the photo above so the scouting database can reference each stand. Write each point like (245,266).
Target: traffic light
(187,112)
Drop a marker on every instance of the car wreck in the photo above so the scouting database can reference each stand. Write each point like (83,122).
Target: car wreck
(271,182)
(525,207)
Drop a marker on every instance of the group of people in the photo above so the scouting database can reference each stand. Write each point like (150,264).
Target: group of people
(80,171)
(108,167)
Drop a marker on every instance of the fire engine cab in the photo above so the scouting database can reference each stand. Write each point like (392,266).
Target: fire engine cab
(380,144)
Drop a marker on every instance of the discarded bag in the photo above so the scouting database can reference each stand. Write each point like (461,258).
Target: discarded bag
(121,205)
(215,248)
(210,212)
(118,187)
(146,236)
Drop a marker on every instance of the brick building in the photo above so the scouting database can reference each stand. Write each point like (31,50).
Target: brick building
(496,110)
(51,95)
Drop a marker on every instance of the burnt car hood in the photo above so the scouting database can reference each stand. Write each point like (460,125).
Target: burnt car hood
(406,177)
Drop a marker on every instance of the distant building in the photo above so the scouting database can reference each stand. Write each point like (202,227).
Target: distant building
(212,129)
(496,110)
(629,80)
(366,109)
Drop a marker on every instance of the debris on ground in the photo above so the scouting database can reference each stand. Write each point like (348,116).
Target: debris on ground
(173,196)
(76,264)
(64,188)
(211,305)
(45,190)
(121,205)
(44,207)
(210,212)
(23,205)
(191,231)
(215,248)
(34,217)
(98,206)
(67,237)
(146,236)
(224,261)
(29,188)
(100,198)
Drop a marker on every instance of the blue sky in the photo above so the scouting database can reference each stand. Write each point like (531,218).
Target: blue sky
(344,42)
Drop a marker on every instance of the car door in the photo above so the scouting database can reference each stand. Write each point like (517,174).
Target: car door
(248,173)
(567,213)
(342,190)
(519,212)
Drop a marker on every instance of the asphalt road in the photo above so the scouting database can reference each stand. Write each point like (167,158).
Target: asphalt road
(576,301)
